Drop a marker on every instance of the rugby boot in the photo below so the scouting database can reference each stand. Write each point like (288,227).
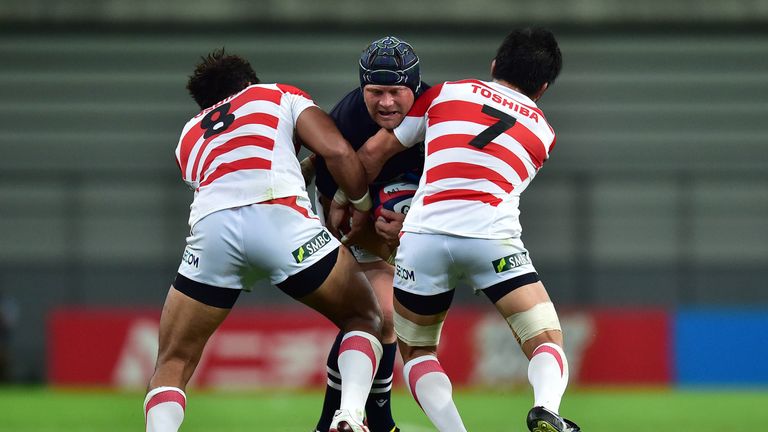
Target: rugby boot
(541,419)
(344,422)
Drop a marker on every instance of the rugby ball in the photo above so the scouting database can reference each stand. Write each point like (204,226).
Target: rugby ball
(394,197)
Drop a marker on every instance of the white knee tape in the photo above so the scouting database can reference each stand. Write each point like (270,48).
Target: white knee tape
(417,335)
(534,321)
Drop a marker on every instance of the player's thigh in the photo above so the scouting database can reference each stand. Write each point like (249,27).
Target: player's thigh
(186,324)
(504,271)
(379,274)
(346,296)
(206,286)
(522,298)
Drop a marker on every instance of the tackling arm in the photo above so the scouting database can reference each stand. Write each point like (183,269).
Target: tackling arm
(318,132)
(377,150)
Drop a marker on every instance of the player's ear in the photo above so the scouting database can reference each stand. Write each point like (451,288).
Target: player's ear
(540,92)
(493,66)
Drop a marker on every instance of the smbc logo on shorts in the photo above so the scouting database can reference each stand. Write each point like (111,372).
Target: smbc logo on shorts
(312,246)
(510,262)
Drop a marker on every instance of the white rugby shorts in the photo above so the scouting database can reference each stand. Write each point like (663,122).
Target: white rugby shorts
(431,264)
(237,247)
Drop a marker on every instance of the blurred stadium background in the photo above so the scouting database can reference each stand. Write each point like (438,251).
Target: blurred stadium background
(649,225)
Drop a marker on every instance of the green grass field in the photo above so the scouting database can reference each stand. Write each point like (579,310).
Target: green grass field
(41,410)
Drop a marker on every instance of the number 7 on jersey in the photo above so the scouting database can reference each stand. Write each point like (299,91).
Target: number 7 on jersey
(505,122)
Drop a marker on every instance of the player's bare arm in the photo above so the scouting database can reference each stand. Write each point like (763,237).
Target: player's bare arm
(377,150)
(373,154)
(318,132)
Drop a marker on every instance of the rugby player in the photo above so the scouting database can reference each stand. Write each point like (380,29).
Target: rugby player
(485,141)
(251,218)
(390,81)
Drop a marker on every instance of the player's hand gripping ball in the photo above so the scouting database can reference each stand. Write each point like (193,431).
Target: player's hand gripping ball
(395,197)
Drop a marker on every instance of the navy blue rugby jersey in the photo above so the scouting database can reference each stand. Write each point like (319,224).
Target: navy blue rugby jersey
(352,119)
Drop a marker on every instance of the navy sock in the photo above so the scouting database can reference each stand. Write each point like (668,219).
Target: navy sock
(378,407)
(332,399)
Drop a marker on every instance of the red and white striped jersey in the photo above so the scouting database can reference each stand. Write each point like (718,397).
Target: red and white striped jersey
(484,142)
(241,151)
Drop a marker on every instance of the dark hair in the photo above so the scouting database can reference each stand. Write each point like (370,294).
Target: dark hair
(390,61)
(218,76)
(528,58)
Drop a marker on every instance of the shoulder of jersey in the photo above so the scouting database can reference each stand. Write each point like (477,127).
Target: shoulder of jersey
(351,102)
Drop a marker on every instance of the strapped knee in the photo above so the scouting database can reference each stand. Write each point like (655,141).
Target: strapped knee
(415,334)
(534,321)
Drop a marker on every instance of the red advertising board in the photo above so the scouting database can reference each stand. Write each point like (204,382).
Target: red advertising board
(288,347)
(629,346)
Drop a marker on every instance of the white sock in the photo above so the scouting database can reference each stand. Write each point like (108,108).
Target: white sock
(548,375)
(432,390)
(164,409)
(359,355)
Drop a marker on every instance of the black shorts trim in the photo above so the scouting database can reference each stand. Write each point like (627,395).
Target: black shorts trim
(308,280)
(425,304)
(211,295)
(496,292)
